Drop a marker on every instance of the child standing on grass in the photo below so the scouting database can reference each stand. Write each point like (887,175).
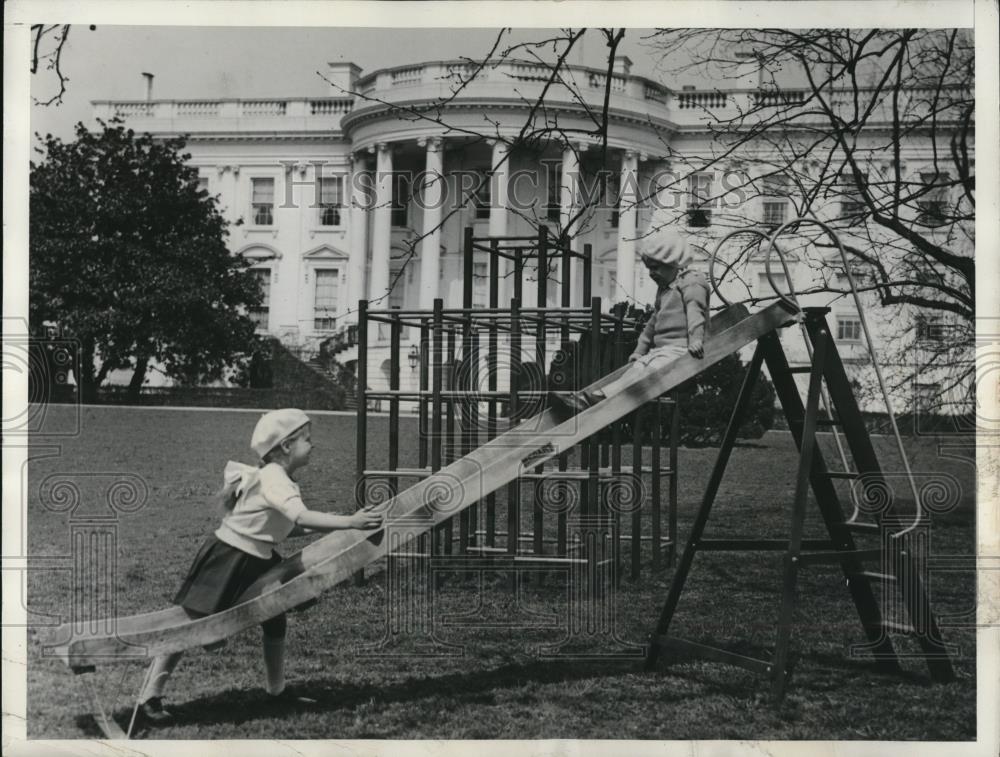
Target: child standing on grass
(263,507)
(676,327)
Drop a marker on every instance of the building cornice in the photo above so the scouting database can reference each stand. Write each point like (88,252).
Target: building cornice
(388,112)
(262,136)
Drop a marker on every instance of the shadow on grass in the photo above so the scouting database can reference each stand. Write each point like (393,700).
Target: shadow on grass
(818,673)
(237,706)
(827,673)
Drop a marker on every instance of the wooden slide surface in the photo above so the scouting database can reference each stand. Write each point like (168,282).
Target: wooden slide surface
(338,555)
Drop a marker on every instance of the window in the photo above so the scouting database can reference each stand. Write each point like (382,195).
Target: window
(853,210)
(932,208)
(775,203)
(699,219)
(932,329)
(699,200)
(325,302)
(400,199)
(262,201)
(553,203)
(774,212)
(845,190)
(764,285)
(932,212)
(259,315)
(615,218)
(203,184)
(848,328)
(481,197)
(330,192)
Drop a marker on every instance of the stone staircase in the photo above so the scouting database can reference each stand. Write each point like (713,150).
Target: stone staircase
(350,396)
(295,372)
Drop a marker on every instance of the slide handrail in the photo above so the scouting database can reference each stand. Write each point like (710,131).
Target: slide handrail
(869,344)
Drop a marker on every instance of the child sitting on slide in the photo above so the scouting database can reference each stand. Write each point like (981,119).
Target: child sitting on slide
(677,325)
(263,507)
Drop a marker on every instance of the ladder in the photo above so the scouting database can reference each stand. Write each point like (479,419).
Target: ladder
(898,555)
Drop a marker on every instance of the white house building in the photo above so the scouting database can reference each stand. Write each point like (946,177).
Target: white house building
(333,191)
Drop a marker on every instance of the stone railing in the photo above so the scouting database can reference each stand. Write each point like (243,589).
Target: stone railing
(198,108)
(273,114)
(440,79)
(702,100)
(264,107)
(131,110)
(331,107)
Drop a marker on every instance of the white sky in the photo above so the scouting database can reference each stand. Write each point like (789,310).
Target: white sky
(217,62)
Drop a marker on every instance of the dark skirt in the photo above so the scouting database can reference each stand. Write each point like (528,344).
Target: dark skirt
(218,575)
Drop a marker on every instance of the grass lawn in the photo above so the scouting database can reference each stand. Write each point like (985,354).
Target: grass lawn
(492,672)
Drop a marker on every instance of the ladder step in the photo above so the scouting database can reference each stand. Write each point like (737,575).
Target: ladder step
(845,474)
(800,369)
(498,560)
(820,422)
(872,528)
(891,627)
(873,575)
(705,651)
(810,558)
(758,545)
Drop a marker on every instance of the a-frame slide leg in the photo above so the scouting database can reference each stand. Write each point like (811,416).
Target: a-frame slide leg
(791,568)
(684,566)
(913,592)
(826,497)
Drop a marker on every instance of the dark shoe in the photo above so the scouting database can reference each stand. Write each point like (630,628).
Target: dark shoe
(290,696)
(567,404)
(151,711)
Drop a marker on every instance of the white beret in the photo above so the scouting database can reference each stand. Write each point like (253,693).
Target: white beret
(666,245)
(274,427)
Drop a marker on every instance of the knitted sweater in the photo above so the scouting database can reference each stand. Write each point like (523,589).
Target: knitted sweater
(680,310)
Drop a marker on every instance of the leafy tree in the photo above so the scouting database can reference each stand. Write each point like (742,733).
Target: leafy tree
(129,257)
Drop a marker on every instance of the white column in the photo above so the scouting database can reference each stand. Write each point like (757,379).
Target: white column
(358,239)
(498,194)
(430,245)
(627,212)
(568,181)
(378,285)
(500,164)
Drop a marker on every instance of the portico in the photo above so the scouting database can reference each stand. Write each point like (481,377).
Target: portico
(448,185)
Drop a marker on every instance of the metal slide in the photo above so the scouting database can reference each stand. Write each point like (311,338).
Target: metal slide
(337,556)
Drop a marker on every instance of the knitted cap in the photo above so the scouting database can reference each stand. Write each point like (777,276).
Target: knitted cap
(274,427)
(666,245)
